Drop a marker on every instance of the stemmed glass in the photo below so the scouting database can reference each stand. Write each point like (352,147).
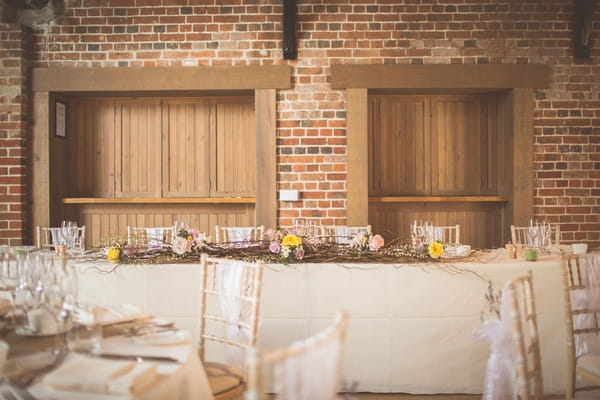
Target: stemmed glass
(69,233)
(9,276)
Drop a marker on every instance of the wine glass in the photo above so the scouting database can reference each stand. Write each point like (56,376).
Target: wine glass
(9,277)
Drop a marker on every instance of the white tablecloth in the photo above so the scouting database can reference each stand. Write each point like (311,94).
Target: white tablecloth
(411,324)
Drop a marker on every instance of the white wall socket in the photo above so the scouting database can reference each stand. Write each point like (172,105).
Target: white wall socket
(288,195)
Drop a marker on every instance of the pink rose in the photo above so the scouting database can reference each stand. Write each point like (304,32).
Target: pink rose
(299,254)
(375,242)
(275,247)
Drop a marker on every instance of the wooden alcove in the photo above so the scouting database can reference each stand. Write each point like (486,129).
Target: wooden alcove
(512,87)
(51,201)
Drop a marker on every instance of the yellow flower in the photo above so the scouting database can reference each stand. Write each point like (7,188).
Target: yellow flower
(113,254)
(291,241)
(435,250)
(190,237)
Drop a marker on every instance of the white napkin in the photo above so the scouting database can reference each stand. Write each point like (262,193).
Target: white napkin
(118,314)
(5,306)
(96,375)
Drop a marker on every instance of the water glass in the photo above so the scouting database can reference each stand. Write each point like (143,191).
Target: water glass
(85,336)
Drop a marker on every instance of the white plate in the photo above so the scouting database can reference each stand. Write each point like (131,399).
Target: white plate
(164,338)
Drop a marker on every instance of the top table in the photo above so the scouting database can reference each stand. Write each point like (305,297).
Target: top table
(411,325)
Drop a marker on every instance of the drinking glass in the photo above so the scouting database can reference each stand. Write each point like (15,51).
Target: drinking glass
(9,277)
(85,336)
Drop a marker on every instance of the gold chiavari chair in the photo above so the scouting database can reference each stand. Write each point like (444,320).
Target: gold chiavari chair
(523,319)
(305,370)
(150,236)
(581,294)
(229,317)
(226,234)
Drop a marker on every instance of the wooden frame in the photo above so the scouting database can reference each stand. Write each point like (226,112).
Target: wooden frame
(49,83)
(515,85)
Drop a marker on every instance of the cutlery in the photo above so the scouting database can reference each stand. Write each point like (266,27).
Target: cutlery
(138,358)
(23,393)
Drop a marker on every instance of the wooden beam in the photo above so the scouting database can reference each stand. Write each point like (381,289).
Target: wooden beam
(290,51)
(68,79)
(357,129)
(435,76)
(266,157)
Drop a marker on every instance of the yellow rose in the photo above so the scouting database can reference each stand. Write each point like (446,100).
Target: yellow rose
(291,241)
(113,254)
(435,250)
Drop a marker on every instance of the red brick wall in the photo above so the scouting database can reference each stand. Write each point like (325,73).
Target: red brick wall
(311,116)
(13,133)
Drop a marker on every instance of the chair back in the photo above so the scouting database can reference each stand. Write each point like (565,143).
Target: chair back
(306,370)
(432,233)
(152,237)
(229,308)
(238,234)
(519,234)
(342,234)
(581,295)
(49,237)
(523,321)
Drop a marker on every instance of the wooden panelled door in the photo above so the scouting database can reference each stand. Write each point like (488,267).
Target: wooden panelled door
(153,161)
(436,158)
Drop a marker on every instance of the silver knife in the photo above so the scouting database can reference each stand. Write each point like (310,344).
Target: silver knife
(138,357)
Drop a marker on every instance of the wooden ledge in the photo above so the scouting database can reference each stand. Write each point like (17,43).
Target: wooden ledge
(153,200)
(440,76)
(439,199)
(71,79)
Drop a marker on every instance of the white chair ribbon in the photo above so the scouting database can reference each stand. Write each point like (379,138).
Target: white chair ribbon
(239,234)
(312,374)
(500,378)
(588,298)
(155,237)
(230,281)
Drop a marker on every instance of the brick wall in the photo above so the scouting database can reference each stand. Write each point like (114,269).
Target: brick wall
(311,116)
(13,133)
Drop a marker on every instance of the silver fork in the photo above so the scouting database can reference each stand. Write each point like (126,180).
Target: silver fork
(7,394)
(23,393)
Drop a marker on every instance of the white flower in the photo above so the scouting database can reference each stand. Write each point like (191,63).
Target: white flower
(181,245)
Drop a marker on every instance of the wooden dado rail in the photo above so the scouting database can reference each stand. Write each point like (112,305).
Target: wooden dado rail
(153,200)
(438,199)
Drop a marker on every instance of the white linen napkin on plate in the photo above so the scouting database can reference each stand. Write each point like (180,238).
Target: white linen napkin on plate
(96,375)
(118,314)
(5,306)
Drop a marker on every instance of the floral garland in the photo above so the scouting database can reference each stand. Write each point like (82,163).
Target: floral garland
(279,246)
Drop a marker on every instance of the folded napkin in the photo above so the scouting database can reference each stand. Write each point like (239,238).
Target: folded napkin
(96,375)
(5,306)
(118,314)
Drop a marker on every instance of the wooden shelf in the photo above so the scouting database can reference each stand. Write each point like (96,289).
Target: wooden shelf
(439,199)
(153,200)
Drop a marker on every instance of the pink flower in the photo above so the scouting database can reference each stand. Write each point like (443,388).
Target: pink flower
(299,254)
(195,233)
(376,242)
(275,247)
(181,245)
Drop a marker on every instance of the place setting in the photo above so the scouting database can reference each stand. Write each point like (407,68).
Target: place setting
(55,347)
